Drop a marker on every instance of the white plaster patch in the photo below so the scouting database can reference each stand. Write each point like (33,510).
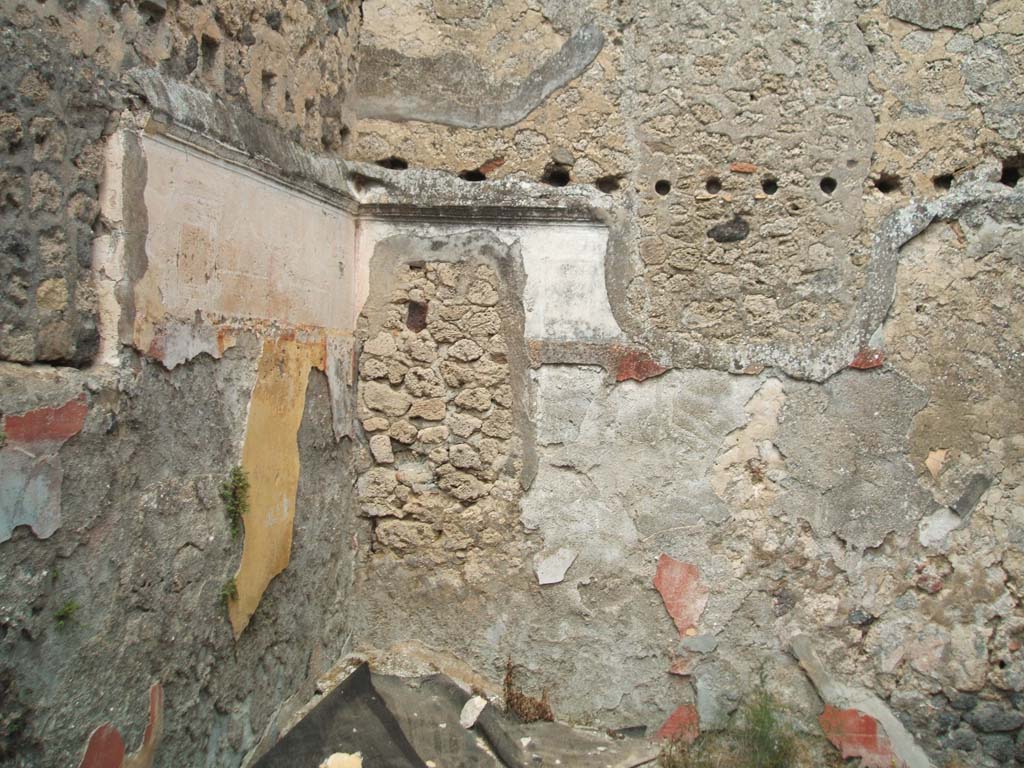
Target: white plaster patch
(228,242)
(933,530)
(565,298)
(632,459)
(551,567)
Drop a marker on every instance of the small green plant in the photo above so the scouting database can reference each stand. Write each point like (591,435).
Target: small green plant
(229,591)
(234,492)
(66,613)
(758,738)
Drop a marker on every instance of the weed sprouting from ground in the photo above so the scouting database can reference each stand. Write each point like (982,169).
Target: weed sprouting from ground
(234,492)
(759,738)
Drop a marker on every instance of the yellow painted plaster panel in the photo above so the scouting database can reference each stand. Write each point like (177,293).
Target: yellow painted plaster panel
(270,458)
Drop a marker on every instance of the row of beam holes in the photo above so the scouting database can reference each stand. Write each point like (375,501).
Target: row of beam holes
(558,175)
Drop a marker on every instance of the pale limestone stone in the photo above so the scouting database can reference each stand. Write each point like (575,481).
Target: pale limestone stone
(462,486)
(463,425)
(484,323)
(375,424)
(380,447)
(373,368)
(483,294)
(465,350)
(433,435)
(475,399)
(432,410)
(464,456)
(423,382)
(415,473)
(396,371)
(383,345)
(499,424)
(404,432)
(380,397)
(422,349)
(377,483)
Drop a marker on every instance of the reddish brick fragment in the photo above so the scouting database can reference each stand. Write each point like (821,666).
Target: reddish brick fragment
(868,358)
(858,735)
(682,591)
(743,168)
(105,748)
(47,424)
(683,724)
(636,364)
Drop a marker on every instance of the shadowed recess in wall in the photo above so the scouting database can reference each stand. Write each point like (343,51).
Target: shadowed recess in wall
(392,86)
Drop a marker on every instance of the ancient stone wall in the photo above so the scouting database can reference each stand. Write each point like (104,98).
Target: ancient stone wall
(658,347)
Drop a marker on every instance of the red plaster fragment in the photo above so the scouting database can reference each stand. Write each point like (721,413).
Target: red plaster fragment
(683,724)
(743,168)
(682,591)
(105,748)
(636,364)
(868,358)
(858,735)
(47,424)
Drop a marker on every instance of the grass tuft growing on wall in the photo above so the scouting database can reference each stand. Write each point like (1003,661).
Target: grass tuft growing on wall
(234,492)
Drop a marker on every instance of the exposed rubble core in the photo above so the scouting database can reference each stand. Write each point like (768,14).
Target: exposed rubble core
(588,360)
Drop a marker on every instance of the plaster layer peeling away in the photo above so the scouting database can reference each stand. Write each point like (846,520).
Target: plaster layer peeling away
(30,469)
(270,458)
(393,86)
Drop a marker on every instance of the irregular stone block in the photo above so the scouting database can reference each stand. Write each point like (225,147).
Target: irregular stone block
(380,447)
(934,14)
(378,396)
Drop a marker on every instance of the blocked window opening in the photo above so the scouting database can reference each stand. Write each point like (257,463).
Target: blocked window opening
(474,174)
(1011,170)
(828,185)
(393,163)
(556,174)
(416,316)
(663,187)
(769,186)
(887,182)
(943,181)
(289,103)
(713,185)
